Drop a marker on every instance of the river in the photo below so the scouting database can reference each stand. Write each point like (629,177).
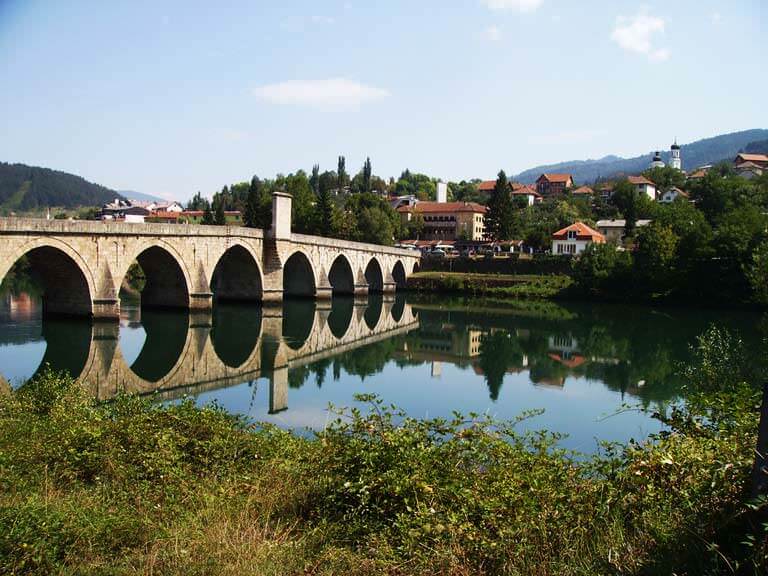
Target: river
(587,366)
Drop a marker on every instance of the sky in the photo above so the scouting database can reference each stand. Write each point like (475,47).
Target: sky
(174,97)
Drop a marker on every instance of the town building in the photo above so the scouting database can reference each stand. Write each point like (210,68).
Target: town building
(676,161)
(749,170)
(643,186)
(657,162)
(447,220)
(613,230)
(527,192)
(583,191)
(760,159)
(574,239)
(551,184)
(671,195)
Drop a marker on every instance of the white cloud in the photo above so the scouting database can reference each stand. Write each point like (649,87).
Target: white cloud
(328,93)
(519,5)
(715,17)
(635,34)
(492,33)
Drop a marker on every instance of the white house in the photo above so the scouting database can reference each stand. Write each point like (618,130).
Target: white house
(613,230)
(671,195)
(574,239)
(644,186)
(169,207)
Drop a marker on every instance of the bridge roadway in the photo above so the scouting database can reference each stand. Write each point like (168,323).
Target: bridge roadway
(199,366)
(83,264)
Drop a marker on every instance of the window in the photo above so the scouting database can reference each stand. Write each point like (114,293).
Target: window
(559,248)
(571,234)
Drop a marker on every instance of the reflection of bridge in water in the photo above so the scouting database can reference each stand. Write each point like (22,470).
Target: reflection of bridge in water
(187,354)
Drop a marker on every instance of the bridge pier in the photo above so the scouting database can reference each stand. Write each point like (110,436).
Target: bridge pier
(106,309)
(201,301)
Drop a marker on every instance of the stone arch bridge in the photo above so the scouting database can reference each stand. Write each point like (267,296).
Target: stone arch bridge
(83,264)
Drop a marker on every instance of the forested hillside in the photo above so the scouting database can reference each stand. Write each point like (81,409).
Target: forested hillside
(706,151)
(25,188)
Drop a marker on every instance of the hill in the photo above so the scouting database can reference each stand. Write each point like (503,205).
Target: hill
(24,188)
(706,151)
(133,195)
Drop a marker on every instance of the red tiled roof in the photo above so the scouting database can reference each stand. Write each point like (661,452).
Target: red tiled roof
(698,174)
(753,157)
(443,207)
(748,164)
(583,190)
(564,178)
(583,232)
(525,190)
(639,180)
(486,186)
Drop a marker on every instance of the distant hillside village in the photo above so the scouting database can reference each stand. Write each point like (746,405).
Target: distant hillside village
(449,219)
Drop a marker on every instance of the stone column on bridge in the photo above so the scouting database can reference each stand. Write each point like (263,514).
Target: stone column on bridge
(361,284)
(275,239)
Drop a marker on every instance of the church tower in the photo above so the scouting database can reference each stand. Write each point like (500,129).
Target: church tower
(676,162)
(657,162)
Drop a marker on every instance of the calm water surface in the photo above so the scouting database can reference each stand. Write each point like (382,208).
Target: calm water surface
(579,363)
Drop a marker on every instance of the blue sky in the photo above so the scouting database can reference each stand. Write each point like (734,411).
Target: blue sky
(173,97)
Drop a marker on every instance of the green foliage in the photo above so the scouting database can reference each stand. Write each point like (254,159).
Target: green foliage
(665,177)
(757,272)
(181,489)
(256,214)
(419,185)
(601,268)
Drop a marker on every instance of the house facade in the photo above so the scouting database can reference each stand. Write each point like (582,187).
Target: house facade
(551,184)
(447,220)
(672,194)
(644,186)
(613,230)
(574,239)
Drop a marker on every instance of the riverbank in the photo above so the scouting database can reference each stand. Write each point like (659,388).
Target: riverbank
(500,285)
(133,487)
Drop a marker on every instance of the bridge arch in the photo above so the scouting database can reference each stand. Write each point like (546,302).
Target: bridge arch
(341,277)
(67,282)
(374,276)
(237,275)
(398,274)
(372,314)
(299,276)
(340,318)
(168,282)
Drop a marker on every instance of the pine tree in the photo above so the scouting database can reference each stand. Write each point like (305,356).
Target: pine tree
(367,172)
(324,209)
(207,214)
(342,173)
(219,218)
(314,180)
(253,217)
(500,216)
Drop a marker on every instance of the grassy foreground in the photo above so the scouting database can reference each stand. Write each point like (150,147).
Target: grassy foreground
(502,285)
(132,487)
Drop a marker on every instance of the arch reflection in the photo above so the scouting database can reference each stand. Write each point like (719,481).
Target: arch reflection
(340,318)
(235,332)
(166,332)
(298,321)
(373,310)
(68,344)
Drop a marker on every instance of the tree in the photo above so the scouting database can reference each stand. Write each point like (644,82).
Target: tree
(757,273)
(415,227)
(324,208)
(253,217)
(208,215)
(665,177)
(197,202)
(655,256)
(499,218)
(632,204)
(314,180)
(594,267)
(219,218)
(367,173)
(341,173)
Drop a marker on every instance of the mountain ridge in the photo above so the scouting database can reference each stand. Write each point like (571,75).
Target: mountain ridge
(27,188)
(700,152)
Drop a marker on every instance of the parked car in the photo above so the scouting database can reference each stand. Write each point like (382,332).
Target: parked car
(437,253)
